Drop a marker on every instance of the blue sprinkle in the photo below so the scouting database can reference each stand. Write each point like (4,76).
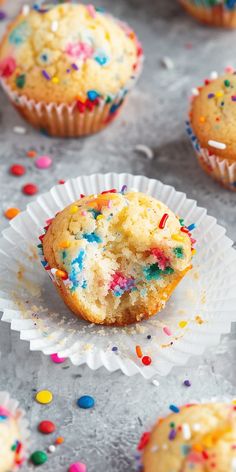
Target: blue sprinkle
(19,34)
(101,57)
(84,284)
(3,417)
(174,408)
(92,95)
(86,402)
(114,349)
(185,449)
(92,237)
(191,227)
(44,263)
(95,213)
(149,336)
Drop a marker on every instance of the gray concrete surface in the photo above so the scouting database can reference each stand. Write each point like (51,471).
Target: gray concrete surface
(105,438)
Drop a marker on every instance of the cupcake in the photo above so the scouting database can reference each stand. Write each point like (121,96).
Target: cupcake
(68,68)
(116,257)
(13,434)
(211,127)
(197,437)
(212,12)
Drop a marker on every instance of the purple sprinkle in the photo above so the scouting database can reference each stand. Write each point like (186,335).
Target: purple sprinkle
(172,434)
(114,349)
(233,98)
(75,67)
(46,75)
(124,189)
(149,336)
(2,15)
(68,71)
(187,383)
(211,95)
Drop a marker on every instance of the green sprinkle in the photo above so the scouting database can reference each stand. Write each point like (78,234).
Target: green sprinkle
(172,425)
(38,457)
(168,271)
(13,447)
(108,99)
(178,251)
(153,272)
(227,83)
(181,221)
(20,81)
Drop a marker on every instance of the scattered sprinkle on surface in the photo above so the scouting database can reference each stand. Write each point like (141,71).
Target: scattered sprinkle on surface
(86,402)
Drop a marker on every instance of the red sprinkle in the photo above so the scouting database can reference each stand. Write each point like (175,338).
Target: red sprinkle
(163,221)
(17,169)
(46,427)
(30,189)
(143,441)
(146,360)
(61,182)
(113,190)
(184,230)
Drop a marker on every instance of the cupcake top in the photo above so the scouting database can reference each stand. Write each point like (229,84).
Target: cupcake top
(213,116)
(199,438)
(10,443)
(113,249)
(68,52)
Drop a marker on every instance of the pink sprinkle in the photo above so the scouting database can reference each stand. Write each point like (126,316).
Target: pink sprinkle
(91,10)
(43,162)
(162,260)
(56,359)
(83,213)
(4,411)
(192,240)
(167,331)
(229,70)
(109,204)
(79,50)
(77,467)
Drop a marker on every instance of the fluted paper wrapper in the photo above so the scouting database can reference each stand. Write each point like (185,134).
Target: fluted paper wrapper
(205,300)
(216,15)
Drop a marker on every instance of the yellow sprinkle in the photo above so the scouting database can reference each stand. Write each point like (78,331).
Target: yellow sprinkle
(177,237)
(55,80)
(194,251)
(234,402)
(198,319)
(202,119)
(219,94)
(44,397)
(100,217)
(197,447)
(182,324)
(73,209)
(64,244)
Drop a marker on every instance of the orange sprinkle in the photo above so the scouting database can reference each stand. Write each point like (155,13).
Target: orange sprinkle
(139,351)
(61,274)
(202,119)
(31,153)
(64,244)
(59,440)
(11,213)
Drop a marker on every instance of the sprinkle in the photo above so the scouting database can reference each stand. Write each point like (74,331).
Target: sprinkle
(77,467)
(227,83)
(178,251)
(19,130)
(44,397)
(233,98)
(25,10)
(54,26)
(191,227)
(177,237)
(91,10)
(64,244)
(61,182)
(124,189)
(139,351)
(167,331)
(31,153)
(143,441)
(146,360)
(172,434)
(219,94)
(10,213)
(156,383)
(183,324)
(43,162)
(197,427)
(195,92)
(55,80)
(46,75)
(92,95)
(20,81)
(74,66)
(38,457)
(216,144)
(30,189)
(2,15)
(56,359)
(51,448)
(186,431)
(46,427)
(211,95)
(174,408)
(202,119)
(73,209)
(214,75)
(59,440)
(86,402)
(143,149)
(187,383)
(114,349)
(61,274)
(163,221)
(17,169)
(149,336)
(167,62)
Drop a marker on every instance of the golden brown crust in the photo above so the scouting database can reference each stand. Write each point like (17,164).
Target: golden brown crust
(211,16)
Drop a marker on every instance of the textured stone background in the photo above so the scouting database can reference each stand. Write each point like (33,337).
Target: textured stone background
(105,438)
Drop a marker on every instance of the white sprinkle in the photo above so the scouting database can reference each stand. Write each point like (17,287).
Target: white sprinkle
(217,144)
(54,26)
(195,92)
(25,10)
(154,448)
(164,447)
(197,427)
(167,62)
(186,431)
(233,464)
(147,151)
(19,130)
(51,448)
(156,383)
(214,75)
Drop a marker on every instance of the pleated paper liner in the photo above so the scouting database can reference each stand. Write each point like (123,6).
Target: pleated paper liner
(220,15)
(200,310)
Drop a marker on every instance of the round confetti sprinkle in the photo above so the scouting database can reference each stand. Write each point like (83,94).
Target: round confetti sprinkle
(61,181)
(187,383)
(114,349)
(30,189)
(146,360)
(59,440)
(38,457)
(44,397)
(10,213)
(86,402)
(46,427)
(17,169)
(56,359)
(51,448)
(77,467)
(43,162)
(31,153)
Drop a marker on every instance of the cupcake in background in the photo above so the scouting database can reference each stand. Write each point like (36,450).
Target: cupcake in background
(14,434)
(195,437)
(68,68)
(212,12)
(211,127)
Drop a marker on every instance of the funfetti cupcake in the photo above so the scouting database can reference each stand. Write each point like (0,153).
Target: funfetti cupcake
(212,127)
(195,437)
(212,12)
(68,68)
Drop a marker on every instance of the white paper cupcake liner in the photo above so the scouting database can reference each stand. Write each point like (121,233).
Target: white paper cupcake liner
(205,300)
(67,120)
(215,166)
(13,407)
